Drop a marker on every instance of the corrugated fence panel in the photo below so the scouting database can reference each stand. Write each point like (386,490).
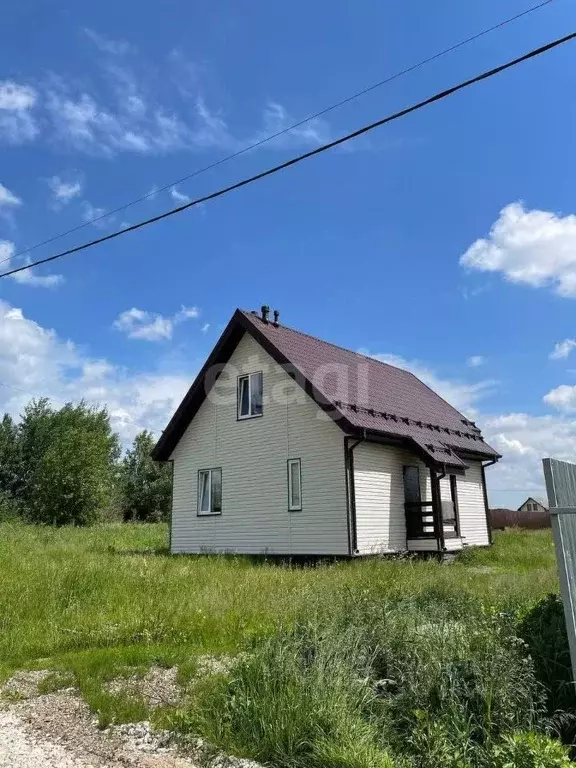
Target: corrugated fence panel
(561,487)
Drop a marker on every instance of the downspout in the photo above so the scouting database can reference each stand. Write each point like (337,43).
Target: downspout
(349,456)
(485,492)
(437,506)
(171,461)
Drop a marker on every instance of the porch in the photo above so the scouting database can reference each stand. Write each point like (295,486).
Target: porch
(431,510)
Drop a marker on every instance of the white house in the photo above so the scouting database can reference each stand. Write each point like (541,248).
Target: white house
(532,505)
(289,445)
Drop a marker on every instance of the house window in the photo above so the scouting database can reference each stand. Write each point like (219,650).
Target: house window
(250,396)
(210,491)
(294,485)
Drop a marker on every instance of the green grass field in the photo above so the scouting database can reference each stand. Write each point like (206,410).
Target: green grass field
(92,602)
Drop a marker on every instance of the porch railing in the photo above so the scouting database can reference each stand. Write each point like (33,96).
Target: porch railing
(419,520)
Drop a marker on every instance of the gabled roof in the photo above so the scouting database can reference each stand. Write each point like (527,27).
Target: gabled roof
(532,499)
(363,396)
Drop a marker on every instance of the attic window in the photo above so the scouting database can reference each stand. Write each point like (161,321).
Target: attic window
(250,395)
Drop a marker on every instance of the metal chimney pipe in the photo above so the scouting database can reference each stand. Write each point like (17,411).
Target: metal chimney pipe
(265,309)
(276,318)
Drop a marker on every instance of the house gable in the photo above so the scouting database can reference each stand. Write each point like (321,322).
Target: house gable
(252,455)
(532,505)
(211,371)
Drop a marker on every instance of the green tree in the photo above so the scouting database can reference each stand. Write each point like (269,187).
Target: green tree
(11,466)
(71,458)
(146,484)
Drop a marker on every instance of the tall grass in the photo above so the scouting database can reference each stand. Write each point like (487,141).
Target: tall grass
(66,590)
(348,665)
(382,686)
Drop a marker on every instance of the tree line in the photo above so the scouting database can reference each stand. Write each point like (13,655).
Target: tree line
(65,467)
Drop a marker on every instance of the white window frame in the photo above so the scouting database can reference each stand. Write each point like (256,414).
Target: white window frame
(291,465)
(207,513)
(248,377)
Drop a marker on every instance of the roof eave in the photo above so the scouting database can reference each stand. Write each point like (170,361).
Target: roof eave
(391,438)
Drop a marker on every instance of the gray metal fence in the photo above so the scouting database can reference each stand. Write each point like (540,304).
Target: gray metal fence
(560,479)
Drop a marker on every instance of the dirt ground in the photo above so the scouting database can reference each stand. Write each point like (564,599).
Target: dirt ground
(57,730)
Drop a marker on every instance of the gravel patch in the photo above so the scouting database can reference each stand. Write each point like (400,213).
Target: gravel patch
(217,665)
(19,749)
(24,684)
(158,687)
(59,731)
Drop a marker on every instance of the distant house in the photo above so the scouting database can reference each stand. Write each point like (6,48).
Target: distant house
(287,444)
(532,505)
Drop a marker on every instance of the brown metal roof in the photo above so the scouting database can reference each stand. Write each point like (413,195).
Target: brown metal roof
(361,394)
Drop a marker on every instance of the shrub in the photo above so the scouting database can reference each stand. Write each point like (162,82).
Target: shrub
(453,687)
(529,750)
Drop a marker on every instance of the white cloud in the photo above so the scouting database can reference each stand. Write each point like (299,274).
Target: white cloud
(205,328)
(64,191)
(562,349)
(95,215)
(8,199)
(464,396)
(536,248)
(35,362)
(179,197)
(14,97)
(277,119)
(106,45)
(17,122)
(129,124)
(128,108)
(475,361)
(563,398)
(186,313)
(524,440)
(212,130)
(139,324)
(28,276)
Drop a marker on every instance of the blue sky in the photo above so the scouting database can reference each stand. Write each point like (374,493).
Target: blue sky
(445,242)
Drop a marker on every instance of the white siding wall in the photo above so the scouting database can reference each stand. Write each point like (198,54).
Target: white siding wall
(471,508)
(253,455)
(379,488)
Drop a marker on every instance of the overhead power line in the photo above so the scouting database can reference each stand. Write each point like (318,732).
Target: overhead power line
(289,128)
(306,155)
